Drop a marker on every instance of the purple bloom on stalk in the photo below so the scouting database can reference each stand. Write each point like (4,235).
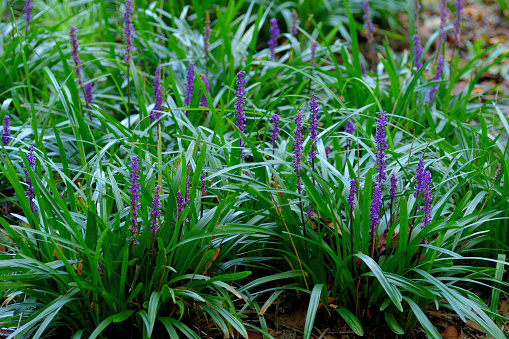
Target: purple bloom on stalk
(328,149)
(190,84)
(204,101)
(363,69)
(88,95)
(297,147)
(444,13)
(128,30)
(156,210)
(180,207)
(206,36)
(419,179)
(394,183)
(438,75)
(309,213)
(477,141)
(295,22)
(30,193)
(368,24)
(417,50)
(134,189)
(497,173)
(6,135)
(351,195)
(275,129)
(313,135)
(203,188)
(381,146)
(158,96)
(349,126)
(313,53)
(28,13)
(459,9)
(417,11)
(75,53)
(428,198)
(376,202)
(239,105)
(274,34)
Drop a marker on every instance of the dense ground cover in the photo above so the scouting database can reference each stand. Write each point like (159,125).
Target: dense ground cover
(191,170)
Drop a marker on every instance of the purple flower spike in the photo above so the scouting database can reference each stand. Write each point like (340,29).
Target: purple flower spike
(497,173)
(156,211)
(394,184)
(203,187)
(297,147)
(477,141)
(328,149)
(351,195)
(381,146)
(309,213)
(28,13)
(275,130)
(295,22)
(204,102)
(206,36)
(313,135)
(75,53)
(6,135)
(376,202)
(417,11)
(428,199)
(419,179)
(158,96)
(417,50)
(363,69)
(240,93)
(368,24)
(88,95)
(313,53)
(444,13)
(349,126)
(274,34)
(134,189)
(30,193)
(190,84)
(438,75)
(128,30)
(459,9)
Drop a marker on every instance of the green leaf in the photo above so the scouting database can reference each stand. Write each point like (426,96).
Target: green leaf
(312,309)
(351,320)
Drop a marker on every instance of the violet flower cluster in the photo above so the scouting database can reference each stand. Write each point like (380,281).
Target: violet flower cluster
(313,134)
(444,13)
(298,149)
(295,22)
(313,53)
(240,115)
(437,76)
(351,195)
(381,146)
(158,96)
(328,149)
(134,189)
(30,193)
(363,69)
(394,184)
(88,95)
(428,198)
(274,34)
(6,135)
(275,130)
(374,210)
(417,50)
(75,53)
(417,11)
(189,85)
(128,31)
(368,24)
(459,11)
(179,208)
(206,36)
(203,101)
(27,10)
(497,173)
(203,187)
(419,179)
(309,213)
(156,211)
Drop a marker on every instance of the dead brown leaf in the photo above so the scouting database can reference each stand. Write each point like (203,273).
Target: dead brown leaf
(450,332)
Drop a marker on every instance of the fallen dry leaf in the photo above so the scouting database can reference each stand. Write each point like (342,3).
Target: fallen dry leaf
(450,332)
